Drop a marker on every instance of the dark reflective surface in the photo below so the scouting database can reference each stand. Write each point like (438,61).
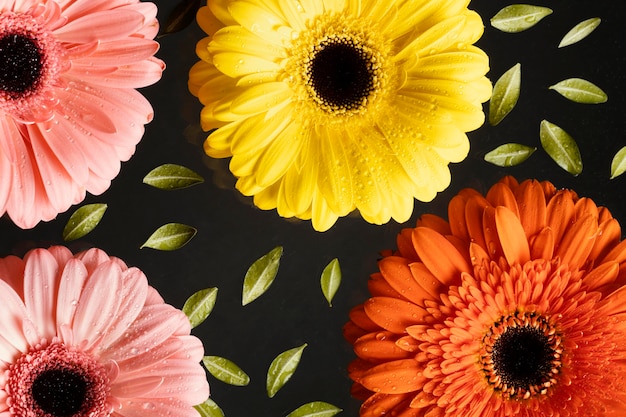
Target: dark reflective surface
(232,233)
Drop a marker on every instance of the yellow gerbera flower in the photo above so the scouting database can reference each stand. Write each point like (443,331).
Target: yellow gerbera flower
(327,106)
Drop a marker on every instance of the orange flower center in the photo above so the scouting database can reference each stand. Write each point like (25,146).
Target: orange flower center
(521,355)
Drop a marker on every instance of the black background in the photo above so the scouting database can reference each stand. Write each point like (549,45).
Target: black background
(232,233)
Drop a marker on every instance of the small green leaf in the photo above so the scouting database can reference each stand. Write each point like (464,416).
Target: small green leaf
(315,409)
(561,147)
(226,371)
(330,280)
(580,31)
(519,17)
(505,94)
(282,368)
(509,154)
(260,275)
(580,91)
(172,177)
(83,221)
(199,305)
(209,409)
(170,236)
(618,165)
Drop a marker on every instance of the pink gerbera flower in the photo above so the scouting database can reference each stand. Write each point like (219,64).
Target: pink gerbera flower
(86,336)
(69,112)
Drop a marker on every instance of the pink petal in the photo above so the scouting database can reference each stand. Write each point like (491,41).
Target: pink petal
(77,9)
(71,285)
(139,387)
(97,26)
(13,315)
(92,258)
(20,205)
(152,327)
(98,304)
(161,407)
(96,185)
(193,391)
(12,272)
(84,114)
(136,75)
(135,364)
(132,298)
(121,52)
(40,286)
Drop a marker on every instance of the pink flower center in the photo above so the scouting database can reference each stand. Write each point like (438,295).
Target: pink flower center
(31,60)
(57,381)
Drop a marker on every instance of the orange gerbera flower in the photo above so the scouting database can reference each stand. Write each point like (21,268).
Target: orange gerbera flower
(514,307)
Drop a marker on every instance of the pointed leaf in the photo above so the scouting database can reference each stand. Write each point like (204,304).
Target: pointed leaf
(506,92)
(83,221)
(618,165)
(261,275)
(209,409)
(519,17)
(561,147)
(226,370)
(580,31)
(330,280)
(182,16)
(509,154)
(170,236)
(580,91)
(172,177)
(199,305)
(282,368)
(315,409)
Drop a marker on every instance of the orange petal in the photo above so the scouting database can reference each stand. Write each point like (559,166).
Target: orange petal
(381,404)
(362,320)
(456,216)
(578,241)
(490,231)
(434,222)
(393,314)
(439,255)
(351,332)
(474,218)
(585,206)
(501,195)
(379,347)
(615,303)
(395,377)
(405,244)
(426,280)
(379,287)
(560,212)
(532,207)
(397,273)
(609,235)
(601,275)
(512,236)
(542,245)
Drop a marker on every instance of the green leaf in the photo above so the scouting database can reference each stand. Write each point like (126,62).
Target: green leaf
(282,368)
(580,31)
(509,154)
(261,275)
(170,236)
(172,177)
(519,17)
(580,91)
(199,305)
(83,221)
(209,409)
(561,147)
(618,164)
(505,94)
(330,280)
(226,371)
(315,409)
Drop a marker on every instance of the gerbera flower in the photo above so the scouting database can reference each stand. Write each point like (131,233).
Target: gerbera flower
(68,109)
(86,336)
(513,307)
(327,106)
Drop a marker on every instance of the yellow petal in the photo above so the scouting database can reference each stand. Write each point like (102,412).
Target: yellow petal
(235,64)
(336,172)
(207,21)
(219,8)
(261,97)
(322,217)
(257,131)
(264,23)
(279,155)
(239,39)
(300,181)
(467,65)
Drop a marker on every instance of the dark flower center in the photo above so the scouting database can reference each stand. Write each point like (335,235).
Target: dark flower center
(341,74)
(522,356)
(60,392)
(20,63)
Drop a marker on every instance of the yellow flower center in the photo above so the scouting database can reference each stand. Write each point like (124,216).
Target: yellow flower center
(521,355)
(339,68)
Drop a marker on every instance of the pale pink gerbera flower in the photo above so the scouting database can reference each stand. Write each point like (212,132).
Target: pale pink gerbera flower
(86,336)
(69,112)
